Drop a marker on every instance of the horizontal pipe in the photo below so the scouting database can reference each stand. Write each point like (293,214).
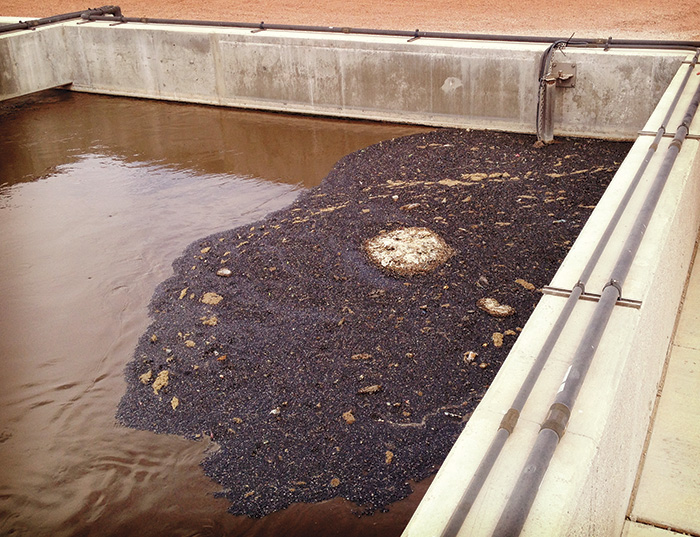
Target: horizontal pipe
(115,13)
(34,23)
(412,35)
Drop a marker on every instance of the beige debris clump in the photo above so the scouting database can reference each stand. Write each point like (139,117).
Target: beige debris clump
(146,377)
(527,285)
(209,321)
(497,339)
(408,251)
(494,308)
(212,298)
(161,381)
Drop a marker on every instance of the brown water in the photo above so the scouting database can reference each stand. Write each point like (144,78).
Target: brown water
(98,196)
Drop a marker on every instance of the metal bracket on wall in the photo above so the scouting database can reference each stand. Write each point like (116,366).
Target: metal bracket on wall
(565,74)
(591,297)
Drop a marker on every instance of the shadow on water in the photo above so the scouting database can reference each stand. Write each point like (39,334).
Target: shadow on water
(98,196)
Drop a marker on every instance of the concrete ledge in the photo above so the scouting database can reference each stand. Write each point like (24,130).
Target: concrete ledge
(441,82)
(32,61)
(587,488)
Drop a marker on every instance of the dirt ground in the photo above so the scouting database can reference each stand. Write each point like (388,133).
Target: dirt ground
(652,19)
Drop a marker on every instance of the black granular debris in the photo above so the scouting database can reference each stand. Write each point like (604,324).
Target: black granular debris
(316,373)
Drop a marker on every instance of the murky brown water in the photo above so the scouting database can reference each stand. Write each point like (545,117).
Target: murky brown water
(98,196)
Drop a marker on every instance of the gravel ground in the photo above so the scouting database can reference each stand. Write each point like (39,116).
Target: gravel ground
(318,374)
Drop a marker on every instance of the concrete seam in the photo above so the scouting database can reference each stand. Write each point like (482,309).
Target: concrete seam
(664,527)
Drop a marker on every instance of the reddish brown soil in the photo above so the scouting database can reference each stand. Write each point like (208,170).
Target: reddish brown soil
(653,19)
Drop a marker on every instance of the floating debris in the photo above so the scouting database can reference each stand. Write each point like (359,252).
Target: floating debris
(146,377)
(346,337)
(470,356)
(374,388)
(161,381)
(494,308)
(527,285)
(408,251)
(212,299)
(497,338)
(210,321)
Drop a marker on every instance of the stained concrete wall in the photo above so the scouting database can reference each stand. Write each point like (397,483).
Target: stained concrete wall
(33,61)
(490,85)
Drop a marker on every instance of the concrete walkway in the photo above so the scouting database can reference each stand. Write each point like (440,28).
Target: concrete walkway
(667,499)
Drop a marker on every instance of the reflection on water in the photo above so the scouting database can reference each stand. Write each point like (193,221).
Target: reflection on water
(98,196)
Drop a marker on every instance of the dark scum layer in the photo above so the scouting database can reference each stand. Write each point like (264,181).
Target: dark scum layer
(318,375)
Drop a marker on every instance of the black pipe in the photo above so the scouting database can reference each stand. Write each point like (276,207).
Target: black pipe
(31,24)
(523,495)
(415,34)
(99,14)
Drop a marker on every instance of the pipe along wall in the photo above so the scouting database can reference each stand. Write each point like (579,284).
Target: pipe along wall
(430,80)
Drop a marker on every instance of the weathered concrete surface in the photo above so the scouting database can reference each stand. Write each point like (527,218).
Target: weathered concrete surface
(475,84)
(33,61)
(587,487)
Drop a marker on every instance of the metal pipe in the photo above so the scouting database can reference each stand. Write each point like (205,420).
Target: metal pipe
(548,109)
(544,126)
(511,417)
(413,35)
(31,24)
(523,495)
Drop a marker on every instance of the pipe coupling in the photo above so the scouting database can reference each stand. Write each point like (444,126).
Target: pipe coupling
(557,419)
(509,420)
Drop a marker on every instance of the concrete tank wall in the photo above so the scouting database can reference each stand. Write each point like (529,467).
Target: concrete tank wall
(33,61)
(445,82)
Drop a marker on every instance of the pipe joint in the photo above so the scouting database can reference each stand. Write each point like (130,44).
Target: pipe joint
(557,419)
(510,420)
(101,11)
